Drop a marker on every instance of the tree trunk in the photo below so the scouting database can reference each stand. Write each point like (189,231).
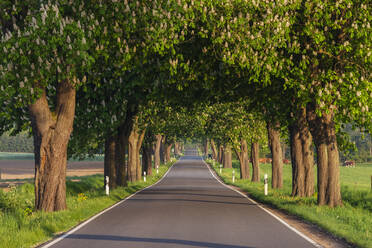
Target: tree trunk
(121,148)
(168,150)
(323,131)
(132,156)
(205,148)
(51,133)
(227,161)
(243,159)
(302,157)
(110,163)
(298,170)
(333,193)
(214,150)
(255,156)
(276,152)
(146,159)
(157,150)
(162,150)
(135,141)
(284,149)
(177,151)
(307,157)
(220,154)
(139,145)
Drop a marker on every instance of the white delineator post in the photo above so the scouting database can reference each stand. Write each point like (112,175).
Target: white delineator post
(233,176)
(144,176)
(266,183)
(107,185)
(220,168)
(157,169)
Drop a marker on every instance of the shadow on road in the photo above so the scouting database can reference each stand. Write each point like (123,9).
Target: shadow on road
(189,200)
(153,240)
(170,192)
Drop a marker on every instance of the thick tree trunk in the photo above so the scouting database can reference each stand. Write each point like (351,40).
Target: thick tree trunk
(132,156)
(220,154)
(243,159)
(276,152)
(284,149)
(146,159)
(135,141)
(323,131)
(157,150)
(205,148)
(214,150)
(227,160)
(139,161)
(298,170)
(110,163)
(162,150)
(177,151)
(168,150)
(51,133)
(307,158)
(302,157)
(121,148)
(333,193)
(255,156)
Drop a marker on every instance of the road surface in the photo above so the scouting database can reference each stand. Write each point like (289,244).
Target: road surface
(188,208)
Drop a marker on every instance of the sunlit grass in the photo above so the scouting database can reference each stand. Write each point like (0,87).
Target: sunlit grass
(352,221)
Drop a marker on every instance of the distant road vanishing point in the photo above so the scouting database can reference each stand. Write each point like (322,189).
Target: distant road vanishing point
(189,207)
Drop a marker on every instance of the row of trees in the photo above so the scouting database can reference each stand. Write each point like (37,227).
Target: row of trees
(81,74)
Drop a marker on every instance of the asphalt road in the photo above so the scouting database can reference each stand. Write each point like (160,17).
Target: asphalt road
(188,208)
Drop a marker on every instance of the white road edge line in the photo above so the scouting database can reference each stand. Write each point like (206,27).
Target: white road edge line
(264,209)
(102,212)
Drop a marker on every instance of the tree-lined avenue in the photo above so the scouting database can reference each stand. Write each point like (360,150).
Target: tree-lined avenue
(188,208)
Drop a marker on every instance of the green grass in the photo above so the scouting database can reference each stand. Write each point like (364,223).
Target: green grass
(352,221)
(21,226)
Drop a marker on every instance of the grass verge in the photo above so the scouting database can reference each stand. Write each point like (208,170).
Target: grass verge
(21,226)
(352,221)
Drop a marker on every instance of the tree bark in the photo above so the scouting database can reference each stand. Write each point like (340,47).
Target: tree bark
(146,159)
(177,151)
(220,154)
(157,150)
(162,150)
(168,150)
(276,152)
(109,162)
(323,131)
(308,158)
(121,148)
(214,150)
(139,162)
(227,161)
(243,159)
(298,170)
(51,133)
(333,193)
(302,156)
(135,141)
(255,156)
(205,148)
(284,149)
